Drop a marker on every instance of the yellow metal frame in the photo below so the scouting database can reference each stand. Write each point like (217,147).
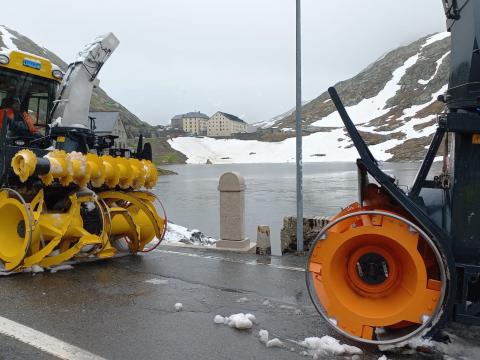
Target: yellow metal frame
(16,63)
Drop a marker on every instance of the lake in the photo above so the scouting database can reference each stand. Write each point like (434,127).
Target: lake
(191,198)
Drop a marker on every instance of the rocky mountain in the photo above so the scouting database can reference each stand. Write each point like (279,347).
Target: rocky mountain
(100,100)
(392,101)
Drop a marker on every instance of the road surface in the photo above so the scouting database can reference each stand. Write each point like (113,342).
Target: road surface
(124,308)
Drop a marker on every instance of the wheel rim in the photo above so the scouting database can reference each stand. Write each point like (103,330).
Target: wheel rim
(365,274)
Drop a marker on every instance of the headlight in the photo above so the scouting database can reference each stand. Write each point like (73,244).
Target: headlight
(4,59)
(57,74)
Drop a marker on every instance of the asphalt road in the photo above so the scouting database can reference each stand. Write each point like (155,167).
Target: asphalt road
(124,308)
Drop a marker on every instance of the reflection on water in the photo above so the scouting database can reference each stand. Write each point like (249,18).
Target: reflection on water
(191,198)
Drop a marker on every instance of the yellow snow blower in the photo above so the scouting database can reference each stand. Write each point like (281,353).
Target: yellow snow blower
(399,264)
(67,194)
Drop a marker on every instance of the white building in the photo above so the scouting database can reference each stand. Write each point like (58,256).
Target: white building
(223,125)
(109,123)
(193,123)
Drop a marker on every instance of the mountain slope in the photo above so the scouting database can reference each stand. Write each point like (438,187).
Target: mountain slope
(393,98)
(392,102)
(100,100)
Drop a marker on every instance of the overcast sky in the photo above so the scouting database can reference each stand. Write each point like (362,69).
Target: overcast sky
(235,56)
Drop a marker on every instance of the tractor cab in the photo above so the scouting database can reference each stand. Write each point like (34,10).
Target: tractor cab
(28,85)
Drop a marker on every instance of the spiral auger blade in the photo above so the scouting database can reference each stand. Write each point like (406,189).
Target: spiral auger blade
(376,277)
(134,216)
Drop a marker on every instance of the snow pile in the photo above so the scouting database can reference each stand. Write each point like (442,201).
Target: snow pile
(239,321)
(176,233)
(328,346)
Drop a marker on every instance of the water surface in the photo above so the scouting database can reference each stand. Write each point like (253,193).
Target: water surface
(191,198)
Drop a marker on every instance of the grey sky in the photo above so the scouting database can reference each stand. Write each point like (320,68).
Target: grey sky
(236,56)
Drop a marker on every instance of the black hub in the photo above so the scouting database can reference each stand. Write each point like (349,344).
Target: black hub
(92,218)
(21,228)
(372,268)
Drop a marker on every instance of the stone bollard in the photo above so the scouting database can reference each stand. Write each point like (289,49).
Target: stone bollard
(263,240)
(232,212)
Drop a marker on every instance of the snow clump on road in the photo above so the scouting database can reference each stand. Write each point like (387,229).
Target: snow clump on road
(219,319)
(239,321)
(157,281)
(328,346)
(263,336)
(275,342)
(62,267)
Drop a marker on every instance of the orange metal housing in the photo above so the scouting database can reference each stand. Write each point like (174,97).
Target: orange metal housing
(409,294)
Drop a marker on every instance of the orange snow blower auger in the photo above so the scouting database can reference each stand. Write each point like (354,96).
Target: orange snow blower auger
(374,274)
(398,263)
(68,194)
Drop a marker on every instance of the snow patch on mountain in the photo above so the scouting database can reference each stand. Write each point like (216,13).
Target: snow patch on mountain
(7,38)
(373,107)
(438,63)
(434,38)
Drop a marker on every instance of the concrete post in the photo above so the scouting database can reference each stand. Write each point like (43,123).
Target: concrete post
(263,240)
(232,212)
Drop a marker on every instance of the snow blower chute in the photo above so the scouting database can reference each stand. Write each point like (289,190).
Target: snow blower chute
(67,193)
(398,264)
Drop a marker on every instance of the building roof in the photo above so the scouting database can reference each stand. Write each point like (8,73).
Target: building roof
(193,114)
(232,117)
(105,120)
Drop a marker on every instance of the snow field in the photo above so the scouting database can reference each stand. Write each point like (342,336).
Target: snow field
(317,147)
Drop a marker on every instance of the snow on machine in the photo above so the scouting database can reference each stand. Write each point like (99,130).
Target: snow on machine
(67,194)
(398,264)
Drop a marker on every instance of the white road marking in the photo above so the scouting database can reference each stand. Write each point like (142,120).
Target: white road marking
(219,258)
(44,342)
